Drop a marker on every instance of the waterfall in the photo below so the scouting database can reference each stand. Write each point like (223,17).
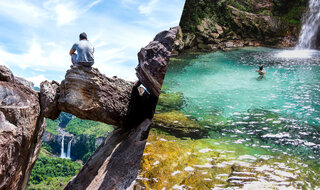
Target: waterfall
(69,149)
(63,155)
(310,26)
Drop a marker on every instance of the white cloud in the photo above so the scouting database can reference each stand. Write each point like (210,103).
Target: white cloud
(37,57)
(100,44)
(64,14)
(22,12)
(94,3)
(128,3)
(54,25)
(146,9)
(37,79)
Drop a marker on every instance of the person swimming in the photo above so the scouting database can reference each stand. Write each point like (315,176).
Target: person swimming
(261,72)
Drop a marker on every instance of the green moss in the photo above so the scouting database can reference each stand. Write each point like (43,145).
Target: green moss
(294,15)
(238,5)
(170,101)
(178,124)
(175,119)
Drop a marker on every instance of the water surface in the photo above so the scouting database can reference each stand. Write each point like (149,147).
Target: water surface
(262,133)
(283,107)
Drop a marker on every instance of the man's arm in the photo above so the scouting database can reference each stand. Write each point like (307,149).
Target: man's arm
(72,51)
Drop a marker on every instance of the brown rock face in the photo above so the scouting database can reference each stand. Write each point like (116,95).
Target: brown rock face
(88,94)
(115,164)
(216,24)
(49,94)
(5,74)
(24,82)
(21,128)
(153,60)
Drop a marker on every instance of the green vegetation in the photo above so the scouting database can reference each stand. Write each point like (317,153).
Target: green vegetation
(85,132)
(84,147)
(56,183)
(52,126)
(85,127)
(52,173)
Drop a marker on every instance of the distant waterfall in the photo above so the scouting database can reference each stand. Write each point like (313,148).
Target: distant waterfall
(63,155)
(310,26)
(69,149)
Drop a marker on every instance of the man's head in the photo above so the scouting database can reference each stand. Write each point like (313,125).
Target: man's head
(261,68)
(83,36)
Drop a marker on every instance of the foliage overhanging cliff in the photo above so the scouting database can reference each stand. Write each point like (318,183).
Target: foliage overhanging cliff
(220,24)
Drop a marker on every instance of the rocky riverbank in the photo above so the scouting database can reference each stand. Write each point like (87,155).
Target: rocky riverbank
(218,24)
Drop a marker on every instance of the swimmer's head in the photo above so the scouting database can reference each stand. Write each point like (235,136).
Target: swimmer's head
(261,67)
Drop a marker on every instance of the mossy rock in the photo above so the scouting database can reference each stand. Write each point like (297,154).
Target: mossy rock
(170,101)
(170,162)
(214,122)
(177,124)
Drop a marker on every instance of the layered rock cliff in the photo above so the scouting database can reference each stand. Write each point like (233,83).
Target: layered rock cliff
(221,24)
(87,94)
(21,129)
(115,164)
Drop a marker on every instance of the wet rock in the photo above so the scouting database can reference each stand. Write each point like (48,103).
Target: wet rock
(219,29)
(269,23)
(178,43)
(215,35)
(21,128)
(178,125)
(153,60)
(170,162)
(170,101)
(230,45)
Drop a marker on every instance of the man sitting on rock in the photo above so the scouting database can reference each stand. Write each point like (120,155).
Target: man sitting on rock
(85,50)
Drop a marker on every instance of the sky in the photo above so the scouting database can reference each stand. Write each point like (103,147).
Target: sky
(36,35)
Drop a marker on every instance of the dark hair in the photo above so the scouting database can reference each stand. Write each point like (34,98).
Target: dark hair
(261,67)
(83,35)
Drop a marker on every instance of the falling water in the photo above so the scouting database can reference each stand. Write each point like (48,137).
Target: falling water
(63,155)
(69,149)
(310,27)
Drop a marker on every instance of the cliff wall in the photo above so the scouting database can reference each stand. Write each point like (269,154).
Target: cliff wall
(208,25)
